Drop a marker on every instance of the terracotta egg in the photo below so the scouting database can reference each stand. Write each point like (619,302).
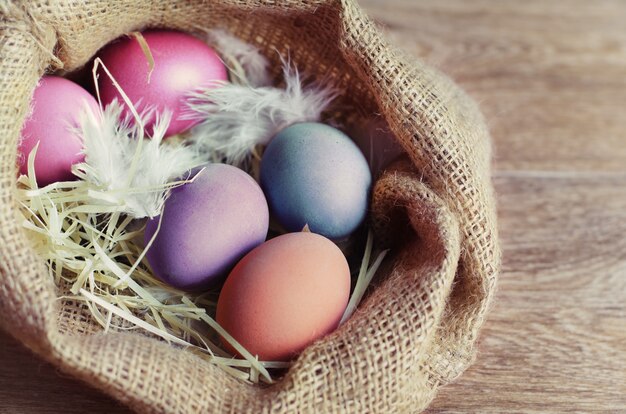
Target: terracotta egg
(285,294)
(56,109)
(182,63)
(207,225)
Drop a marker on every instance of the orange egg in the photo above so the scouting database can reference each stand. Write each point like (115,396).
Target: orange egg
(284,295)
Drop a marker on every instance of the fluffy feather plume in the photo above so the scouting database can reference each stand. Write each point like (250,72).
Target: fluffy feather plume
(245,62)
(133,172)
(234,119)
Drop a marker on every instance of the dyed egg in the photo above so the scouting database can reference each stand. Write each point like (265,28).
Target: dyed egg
(314,174)
(56,109)
(377,143)
(207,225)
(284,295)
(182,63)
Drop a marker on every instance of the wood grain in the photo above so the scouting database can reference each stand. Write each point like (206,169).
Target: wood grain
(556,337)
(30,386)
(548,75)
(551,80)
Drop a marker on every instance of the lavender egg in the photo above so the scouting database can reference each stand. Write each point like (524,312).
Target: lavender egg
(314,175)
(206,226)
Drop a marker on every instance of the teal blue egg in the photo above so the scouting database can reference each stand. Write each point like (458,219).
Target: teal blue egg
(313,174)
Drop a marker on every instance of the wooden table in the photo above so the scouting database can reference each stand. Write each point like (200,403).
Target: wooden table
(551,79)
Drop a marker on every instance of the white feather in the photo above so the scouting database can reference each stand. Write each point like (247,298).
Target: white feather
(246,63)
(136,172)
(234,119)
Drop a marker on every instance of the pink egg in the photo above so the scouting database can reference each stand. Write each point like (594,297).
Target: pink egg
(182,63)
(56,107)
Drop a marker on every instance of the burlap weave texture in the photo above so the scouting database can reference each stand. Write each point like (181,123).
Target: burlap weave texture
(417,329)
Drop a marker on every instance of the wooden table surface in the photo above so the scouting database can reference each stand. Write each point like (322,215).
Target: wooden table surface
(550,77)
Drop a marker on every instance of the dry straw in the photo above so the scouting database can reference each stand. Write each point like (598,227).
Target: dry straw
(87,232)
(83,233)
(413,332)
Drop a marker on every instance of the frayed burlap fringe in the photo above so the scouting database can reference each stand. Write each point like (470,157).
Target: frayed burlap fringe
(416,330)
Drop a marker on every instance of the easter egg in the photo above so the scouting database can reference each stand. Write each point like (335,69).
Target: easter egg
(57,105)
(206,226)
(284,295)
(314,175)
(182,63)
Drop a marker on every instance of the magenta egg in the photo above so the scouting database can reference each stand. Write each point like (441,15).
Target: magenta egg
(182,63)
(206,226)
(56,109)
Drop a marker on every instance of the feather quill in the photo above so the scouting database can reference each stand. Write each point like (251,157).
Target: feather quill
(246,64)
(111,143)
(234,119)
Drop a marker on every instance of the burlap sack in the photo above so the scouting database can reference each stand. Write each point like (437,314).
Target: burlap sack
(417,329)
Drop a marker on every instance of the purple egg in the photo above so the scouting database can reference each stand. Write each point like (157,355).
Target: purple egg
(207,225)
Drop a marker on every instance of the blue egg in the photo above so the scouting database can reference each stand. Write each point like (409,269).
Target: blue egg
(313,174)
